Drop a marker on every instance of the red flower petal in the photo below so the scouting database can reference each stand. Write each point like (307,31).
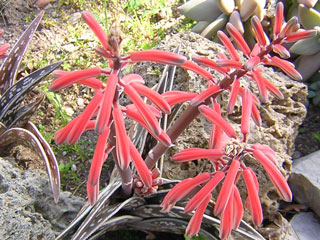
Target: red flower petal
(229,63)
(197,69)
(273,90)
(289,28)
(287,67)
(246,112)
(281,50)
(96,28)
(153,96)
(61,135)
(145,112)
(195,222)
(238,208)
(106,105)
(209,63)
(239,40)
(258,30)
(132,78)
(96,166)
(233,95)
(175,97)
(255,205)
(142,169)
(256,115)
(196,153)
(226,189)
(4,48)
(268,152)
(256,76)
(205,95)
(275,176)
(74,77)
(180,190)
(228,44)
(215,118)
(227,217)
(278,19)
(132,110)
(158,56)
(80,125)
(301,35)
(122,146)
(197,199)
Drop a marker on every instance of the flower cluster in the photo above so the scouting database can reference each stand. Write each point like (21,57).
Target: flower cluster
(104,113)
(227,151)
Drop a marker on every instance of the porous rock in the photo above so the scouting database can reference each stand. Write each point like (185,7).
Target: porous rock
(27,209)
(304,181)
(281,118)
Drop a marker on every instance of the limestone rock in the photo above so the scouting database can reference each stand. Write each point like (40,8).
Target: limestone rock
(306,226)
(281,118)
(305,181)
(27,210)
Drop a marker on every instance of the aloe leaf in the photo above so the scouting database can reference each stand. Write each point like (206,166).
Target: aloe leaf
(309,17)
(11,99)
(10,66)
(308,65)
(215,26)
(201,10)
(28,139)
(200,26)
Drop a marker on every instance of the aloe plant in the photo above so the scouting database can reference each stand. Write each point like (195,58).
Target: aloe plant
(213,15)
(14,119)
(227,150)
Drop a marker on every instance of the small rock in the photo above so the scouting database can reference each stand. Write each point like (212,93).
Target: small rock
(69,111)
(69,48)
(80,102)
(305,181)
(306,226)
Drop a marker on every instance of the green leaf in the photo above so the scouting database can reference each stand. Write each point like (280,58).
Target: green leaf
(316,136)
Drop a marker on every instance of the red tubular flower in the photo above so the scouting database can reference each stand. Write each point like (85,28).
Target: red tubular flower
(216,118)
(233,95)
(256,115)
(209,63)
(149,119)
(3,49)
(106,105)
(278,19)
(180,190)
(256,76)
(132,110)
(132,78)
(205,95)
(122,146)
(289,28)
(96,166)
(255,205)
(246,112)
(195,221)
(158,56)
(61,135)
(197,199)
(74,77)
(275,176)
(142,169)
(196,153)
(281,50)
(268,152)
(227,187)
(239,40)
(301,35)
(80,125)
(258,30)
(227,217)
(229,63)
(237,209)
(96,28)
(153,96)
(285,66)
(228,44)
(198,70)
(175,97)
(273,90)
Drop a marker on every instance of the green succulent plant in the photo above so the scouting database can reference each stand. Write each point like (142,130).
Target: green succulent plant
(308,50)
(213,15)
